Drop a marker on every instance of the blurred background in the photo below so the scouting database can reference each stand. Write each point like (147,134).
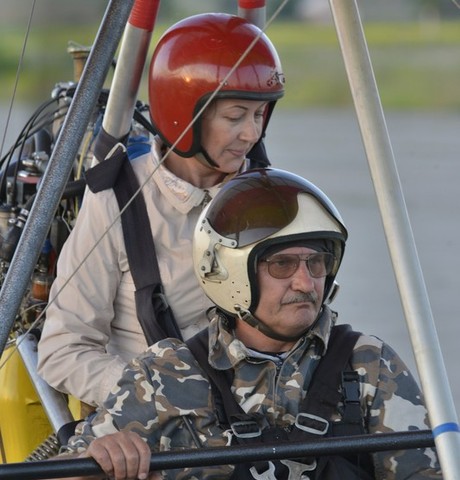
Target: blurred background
(415,51)
(414,46)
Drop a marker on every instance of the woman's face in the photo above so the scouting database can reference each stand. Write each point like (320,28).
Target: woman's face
(230,128)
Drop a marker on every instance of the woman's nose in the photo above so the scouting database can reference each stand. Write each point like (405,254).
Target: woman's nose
(251,131)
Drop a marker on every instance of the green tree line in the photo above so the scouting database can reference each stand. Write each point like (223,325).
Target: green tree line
(417,65)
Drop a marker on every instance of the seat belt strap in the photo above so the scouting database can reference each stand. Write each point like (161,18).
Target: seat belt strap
(326,379)
(153,311)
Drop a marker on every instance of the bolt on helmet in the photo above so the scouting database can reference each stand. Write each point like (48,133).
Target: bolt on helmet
(254,213)
(193,58)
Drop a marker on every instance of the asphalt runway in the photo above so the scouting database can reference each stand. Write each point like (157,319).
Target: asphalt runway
(325,147)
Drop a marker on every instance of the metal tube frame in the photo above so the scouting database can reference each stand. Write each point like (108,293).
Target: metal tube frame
(412,289)
(60,164)
(227,455)
(128,72)
(254,11)
(53,402)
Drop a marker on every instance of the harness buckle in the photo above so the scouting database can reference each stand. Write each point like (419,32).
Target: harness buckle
(161,298)
(311,423)
(246,429)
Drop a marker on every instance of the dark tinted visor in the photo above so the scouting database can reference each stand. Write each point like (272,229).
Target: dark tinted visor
(257,204)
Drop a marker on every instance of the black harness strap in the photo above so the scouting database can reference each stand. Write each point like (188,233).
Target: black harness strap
(324,391)
(334,371)
(226,404)
(322,399)
(153,311)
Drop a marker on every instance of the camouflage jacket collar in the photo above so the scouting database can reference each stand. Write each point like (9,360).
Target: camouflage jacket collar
(226,351)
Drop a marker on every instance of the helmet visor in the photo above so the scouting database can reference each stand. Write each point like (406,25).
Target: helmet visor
(251,210)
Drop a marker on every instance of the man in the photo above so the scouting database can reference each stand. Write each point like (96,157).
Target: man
(266,251)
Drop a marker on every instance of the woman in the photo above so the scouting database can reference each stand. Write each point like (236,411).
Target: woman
(91,330)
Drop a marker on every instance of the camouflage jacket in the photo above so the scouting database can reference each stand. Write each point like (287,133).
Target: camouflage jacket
(164,392)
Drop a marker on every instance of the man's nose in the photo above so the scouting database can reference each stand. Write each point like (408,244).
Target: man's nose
(302,279)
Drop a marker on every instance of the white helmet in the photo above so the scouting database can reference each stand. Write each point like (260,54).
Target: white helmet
(255,211)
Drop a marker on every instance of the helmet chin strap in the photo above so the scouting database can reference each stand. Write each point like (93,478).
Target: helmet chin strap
(254,322)
(204,158)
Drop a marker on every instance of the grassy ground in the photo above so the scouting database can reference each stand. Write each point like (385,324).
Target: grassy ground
(416,66)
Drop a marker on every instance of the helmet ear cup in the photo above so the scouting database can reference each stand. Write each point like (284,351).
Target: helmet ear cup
(202,54)
(253,212)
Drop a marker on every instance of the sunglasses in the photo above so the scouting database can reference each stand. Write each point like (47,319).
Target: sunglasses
(285,265)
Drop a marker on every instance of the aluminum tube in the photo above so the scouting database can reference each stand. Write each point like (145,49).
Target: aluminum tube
(60,164)
(253,11)
(227,455)
(53,402)
(399,236)
(130,66)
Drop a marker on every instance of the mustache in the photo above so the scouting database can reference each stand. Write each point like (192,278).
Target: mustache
(300,297)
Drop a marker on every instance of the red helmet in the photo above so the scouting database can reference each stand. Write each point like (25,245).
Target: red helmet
(191,60)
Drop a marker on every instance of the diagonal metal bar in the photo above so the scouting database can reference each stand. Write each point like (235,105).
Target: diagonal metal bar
(401,244)
(130,65)
(60,164)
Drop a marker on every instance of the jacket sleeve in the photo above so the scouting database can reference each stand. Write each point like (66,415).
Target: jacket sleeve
(392,402)
(72,353)
(164,396)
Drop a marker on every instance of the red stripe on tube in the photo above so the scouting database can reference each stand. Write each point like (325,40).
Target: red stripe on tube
(251,3)
(144,14)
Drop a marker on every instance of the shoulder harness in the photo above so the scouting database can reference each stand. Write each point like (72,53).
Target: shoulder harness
(333,382)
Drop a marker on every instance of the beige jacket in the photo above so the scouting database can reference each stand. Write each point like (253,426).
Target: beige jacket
(91,330)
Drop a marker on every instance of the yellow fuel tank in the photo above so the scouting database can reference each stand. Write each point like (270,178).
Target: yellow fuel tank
(23,422)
